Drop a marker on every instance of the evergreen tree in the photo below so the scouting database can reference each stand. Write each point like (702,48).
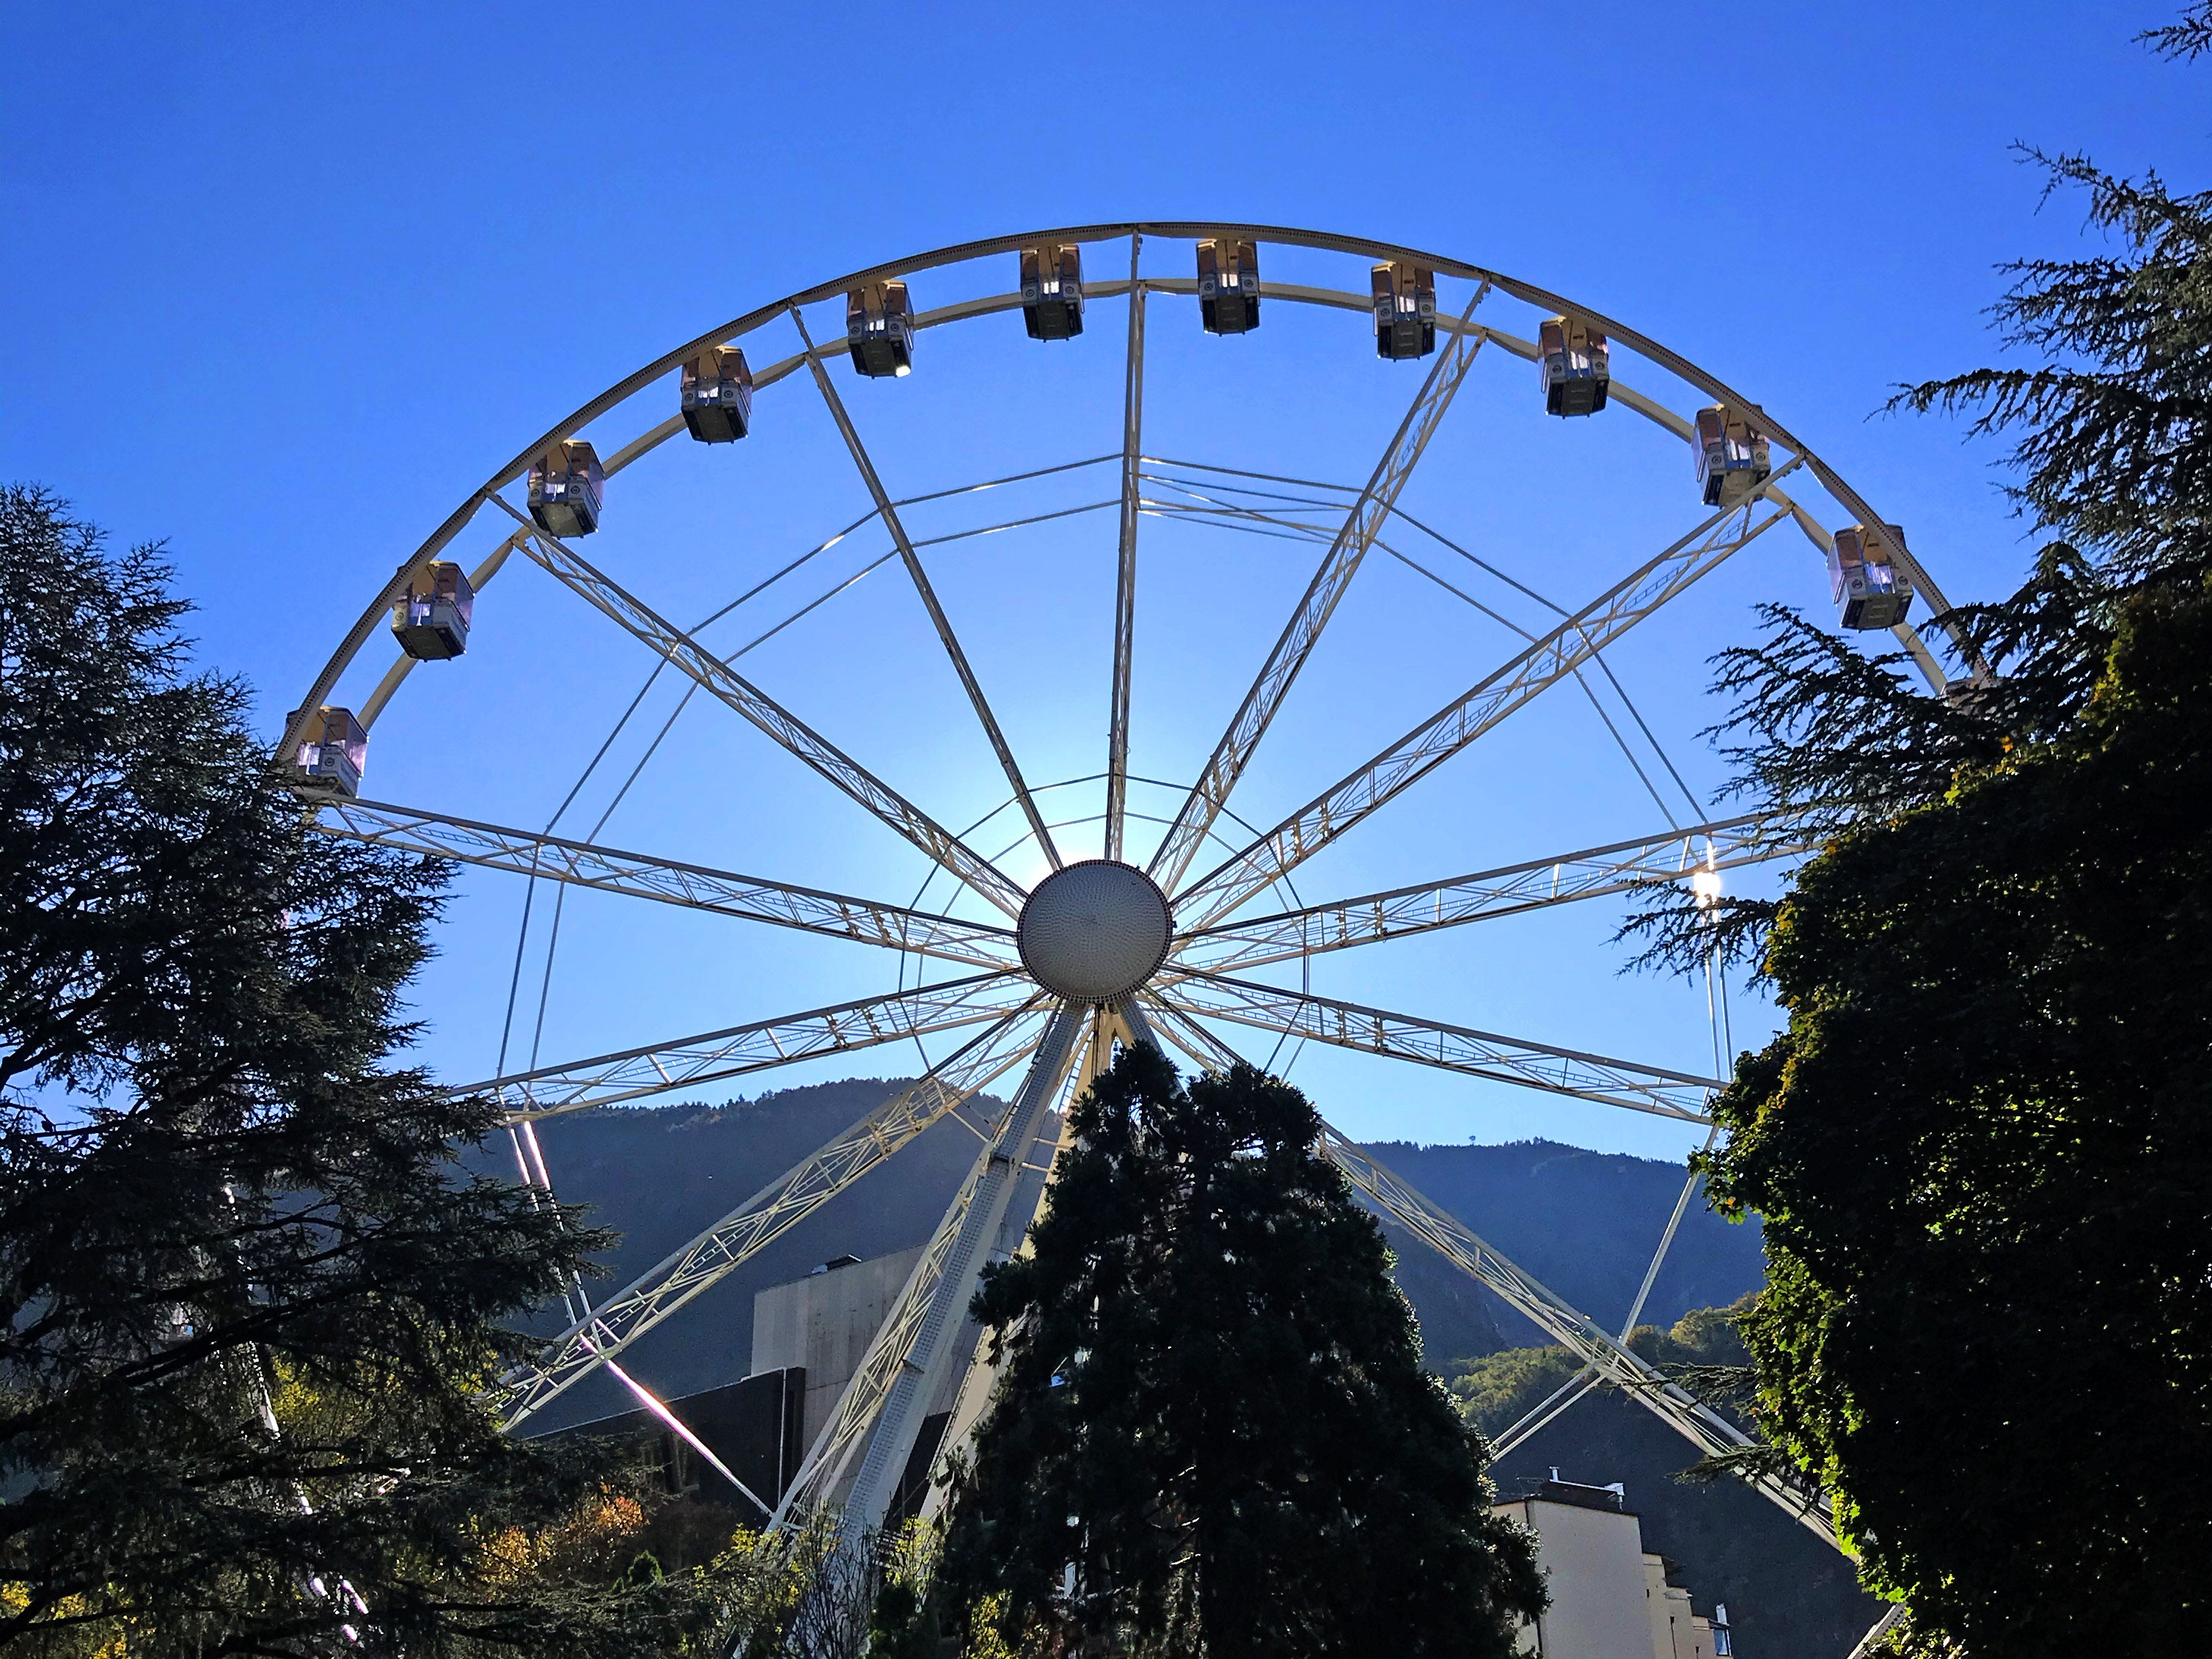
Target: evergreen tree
(247,1301)
(1982,1149)
(1212,1433)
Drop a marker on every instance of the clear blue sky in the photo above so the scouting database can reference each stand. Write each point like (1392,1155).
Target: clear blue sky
(284,284)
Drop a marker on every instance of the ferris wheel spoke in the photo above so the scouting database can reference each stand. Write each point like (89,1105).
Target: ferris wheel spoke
(1595,1078)
(713,1056)
(1208,1052)
(1125,581)
(1558,1319)
(882,1407)
(788,730)
(887,511)
(765,1217)
(1193,821)
(1518,680)
(1676,855)
(583,864)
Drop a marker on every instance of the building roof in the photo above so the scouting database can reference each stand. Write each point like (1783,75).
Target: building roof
(1612,1499)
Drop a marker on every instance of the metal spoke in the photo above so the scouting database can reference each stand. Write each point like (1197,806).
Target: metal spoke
(763,1218)
(1361,525)
(911,1352)
(1427,906)
(1124,582)
(889,513)
(1452,728)
(787,729)
(1593,1077)
(713,1056)
(1208,1052)
(977,944)
(1612,1359)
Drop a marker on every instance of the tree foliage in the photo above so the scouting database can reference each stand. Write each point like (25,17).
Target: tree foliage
(1494,1391)
(247,1301)
(1211,1431)
(1981,1150)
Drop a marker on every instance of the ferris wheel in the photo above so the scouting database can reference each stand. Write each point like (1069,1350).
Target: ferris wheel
(1023,959)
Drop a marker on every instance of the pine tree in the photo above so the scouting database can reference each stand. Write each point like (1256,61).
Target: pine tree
(248,1302)
(1211,1431)
(1982,1149)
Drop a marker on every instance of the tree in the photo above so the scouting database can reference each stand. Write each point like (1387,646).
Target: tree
(248,1302)
(1494,1391)
(1982,1148)
(1211,1431)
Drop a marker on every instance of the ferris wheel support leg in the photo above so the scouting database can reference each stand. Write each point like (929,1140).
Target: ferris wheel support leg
(906,1364)
(765,1217)
(981,1376)
(1608,1355)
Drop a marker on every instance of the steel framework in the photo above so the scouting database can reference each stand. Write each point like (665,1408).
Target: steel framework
(1002,1017)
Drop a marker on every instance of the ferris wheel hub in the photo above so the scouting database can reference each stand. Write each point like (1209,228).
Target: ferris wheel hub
(1094,932)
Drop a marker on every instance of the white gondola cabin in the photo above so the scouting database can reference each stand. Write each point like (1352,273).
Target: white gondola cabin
(565,486)
(1871,590)
(1405,310)
(333,752)
(432,622)
(879,329)
(1228,286)
(1730,454)
(1051,292)
(717,395)
(1574,366)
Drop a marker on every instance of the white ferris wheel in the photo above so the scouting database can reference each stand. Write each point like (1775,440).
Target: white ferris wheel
(1186,928)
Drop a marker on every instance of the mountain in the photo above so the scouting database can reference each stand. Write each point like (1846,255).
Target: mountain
(1582,1222)
(1585,1224)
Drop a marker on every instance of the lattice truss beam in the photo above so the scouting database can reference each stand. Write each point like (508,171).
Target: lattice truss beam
(864,1446)
(1194,820)
(638,875)
(1594,872)
(785,728)
(767,1214)
(1550,658)
(1593,1078)
(716,1056)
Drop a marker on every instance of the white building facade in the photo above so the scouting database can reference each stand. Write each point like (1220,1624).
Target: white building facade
(1610,1597)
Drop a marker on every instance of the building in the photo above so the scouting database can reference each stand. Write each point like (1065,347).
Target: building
(1611,1598)
(810,1335)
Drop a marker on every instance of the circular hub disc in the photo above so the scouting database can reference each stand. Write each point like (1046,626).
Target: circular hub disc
(1094,932)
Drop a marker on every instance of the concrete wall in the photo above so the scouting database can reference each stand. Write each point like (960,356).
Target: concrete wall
(1676,1632)
(826,1323)
(1593,1561)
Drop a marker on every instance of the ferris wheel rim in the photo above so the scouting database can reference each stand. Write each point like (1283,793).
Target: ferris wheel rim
(1644,345)
(1172,1000)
